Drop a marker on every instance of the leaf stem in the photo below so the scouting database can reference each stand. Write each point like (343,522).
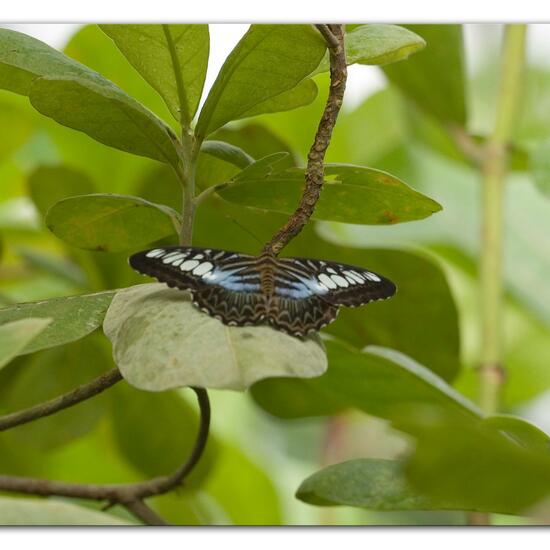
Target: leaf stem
(83,392)
(494,169)
(130,495)
(186,174)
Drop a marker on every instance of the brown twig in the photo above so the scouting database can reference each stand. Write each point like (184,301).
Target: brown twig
(144,513)
(83,392)
(314,176)
(127,494)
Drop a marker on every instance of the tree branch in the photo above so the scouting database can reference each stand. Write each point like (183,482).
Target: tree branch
(127,494)
(314,176)
(83,392)
(144,513)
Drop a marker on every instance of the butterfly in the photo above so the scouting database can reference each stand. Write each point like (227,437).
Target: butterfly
(295,295)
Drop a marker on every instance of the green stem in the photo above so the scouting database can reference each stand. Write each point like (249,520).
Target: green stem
(186,175)
(494,168)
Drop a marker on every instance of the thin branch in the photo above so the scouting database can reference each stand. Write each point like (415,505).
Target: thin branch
(83,392)
(144,513)
(328,35)
(495,167)
(119,493)
(314,176)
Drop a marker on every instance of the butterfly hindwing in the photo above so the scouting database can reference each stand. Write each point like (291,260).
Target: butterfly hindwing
(232,308)
(300,317)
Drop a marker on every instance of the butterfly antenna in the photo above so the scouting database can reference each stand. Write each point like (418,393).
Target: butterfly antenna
(246,230)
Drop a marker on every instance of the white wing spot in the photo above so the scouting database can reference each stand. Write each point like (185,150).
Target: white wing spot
(155,253)
(198,257)
(327,281)
(372,277)
(331,270)
(352,277)
(189,265)
(203,268)
(170,258)
(340,281)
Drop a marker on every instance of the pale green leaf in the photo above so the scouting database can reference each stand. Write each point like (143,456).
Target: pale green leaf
(15,336)
(110,223)
(161,341)
(25,511)
(377,45)
(72,318)
(172,58)
(268,61)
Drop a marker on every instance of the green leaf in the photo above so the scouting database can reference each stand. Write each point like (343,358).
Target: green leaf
(46,375)
(249,498)
(90,46)
(110,116)
(422,311)
(15,336)
(377,45)
(16,129)
(434,78)
(185,347)
(520,430)
(110,223)
(25,511)
(257,140)
(302,94)
(58,87)
(539,155)
(478,465)
(53,265)
(268,61)
(227,152)
(172,58)
(378,381)
(71,318)
(374,484)
(50,184)
(136,417)
(351,194)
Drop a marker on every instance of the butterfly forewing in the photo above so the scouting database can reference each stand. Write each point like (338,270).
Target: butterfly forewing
(337,284)
(296,295)
(190,268)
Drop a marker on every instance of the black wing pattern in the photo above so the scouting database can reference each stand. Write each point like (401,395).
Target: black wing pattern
(295,295)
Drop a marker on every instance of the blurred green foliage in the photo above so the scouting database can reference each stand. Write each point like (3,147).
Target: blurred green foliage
(396,157)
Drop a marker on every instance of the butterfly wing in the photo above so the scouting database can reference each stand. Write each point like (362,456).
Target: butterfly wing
(300,317)
(335,283)
(190,268)
(224,284)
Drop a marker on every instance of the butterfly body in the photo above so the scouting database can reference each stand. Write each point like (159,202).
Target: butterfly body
(295,295)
